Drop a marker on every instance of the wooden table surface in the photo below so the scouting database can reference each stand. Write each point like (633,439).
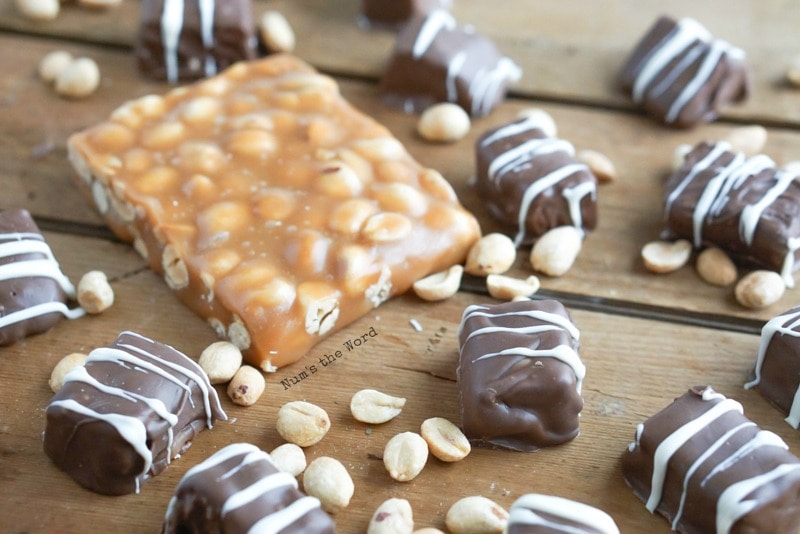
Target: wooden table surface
(646,338)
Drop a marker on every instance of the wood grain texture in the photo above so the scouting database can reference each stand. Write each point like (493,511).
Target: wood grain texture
(570,52)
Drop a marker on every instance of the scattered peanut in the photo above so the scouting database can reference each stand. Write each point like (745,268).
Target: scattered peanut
(405,455)
(246,386)
(289,458)
(508,288)
(747,139)
(79,79)
(665,257)
(220,361)
(441,285)
(276,32)
(64,366)
(473,515)
(328,480)
(679,156)
(443,123)
(543,119)
(760,289)
(492,254)
(38,9)
(393,516)
(53,63)
(94,292)
(302,423)
(428,530)
(599,164)
(554,252)
(793,73)
(373,407)
(715,267)
(445,440)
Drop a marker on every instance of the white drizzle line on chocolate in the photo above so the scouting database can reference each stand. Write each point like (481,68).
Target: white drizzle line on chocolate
(667,448)
(563,353)
(436,21)
(206,9)
(699,462)
(131,429)
(710,194)
(515,128)
(786,324)
(80,374)
(542,184)
(513,158)
(20,243)
(272,523)
(486,84)
(524,512)
(453,69)
(171,28)
(692,38)
(716,151)
(733,503)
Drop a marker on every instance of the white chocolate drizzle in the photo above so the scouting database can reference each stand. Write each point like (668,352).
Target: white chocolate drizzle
(563,353)
(249,455)
(786,324)
(206,9)
(524,512)
(21,243)
(487,83)
(436,21)
(694,41)
(171,28)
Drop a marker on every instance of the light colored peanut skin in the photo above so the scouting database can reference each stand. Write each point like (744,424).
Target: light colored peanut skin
(246,386)
(302,423)
(328,480)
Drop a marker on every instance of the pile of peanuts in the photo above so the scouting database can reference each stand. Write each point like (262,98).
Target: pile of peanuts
(757,289)
(42,10)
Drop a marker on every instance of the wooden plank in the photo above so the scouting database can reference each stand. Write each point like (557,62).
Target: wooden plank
(569,50)
(609,266)
(665,360)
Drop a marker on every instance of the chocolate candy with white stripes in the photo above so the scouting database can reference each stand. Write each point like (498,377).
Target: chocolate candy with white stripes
(392,14)
(436,60)
(707,468)
(239,489)
(776,373)
(519,375)
(191,39)
(545,514)
(126,413)
(532,182)
(33,291)
(744,205)
(682,76)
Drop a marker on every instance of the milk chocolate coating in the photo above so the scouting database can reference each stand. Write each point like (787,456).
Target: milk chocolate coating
(435,60)
(745,206)
(737,478)
(532,182)
(20,294)
(546,514)
(205,43)
(519,375)
(222,495)
(135,403)
(391,14)
(682,76)
(776,373)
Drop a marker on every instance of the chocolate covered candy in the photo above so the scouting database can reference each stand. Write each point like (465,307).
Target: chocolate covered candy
(126,413)
(34,293)
(273,208)
(544,514)
(436,60)
(239,489)
(519,374)
(707,468)
(532,182)
(744,205)
(777,369)
(681,75)
(394,13)
(190,39)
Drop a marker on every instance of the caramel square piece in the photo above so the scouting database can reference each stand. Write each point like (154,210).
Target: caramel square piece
(273,208)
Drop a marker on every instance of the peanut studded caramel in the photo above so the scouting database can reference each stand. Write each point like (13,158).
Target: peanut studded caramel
(273,208)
